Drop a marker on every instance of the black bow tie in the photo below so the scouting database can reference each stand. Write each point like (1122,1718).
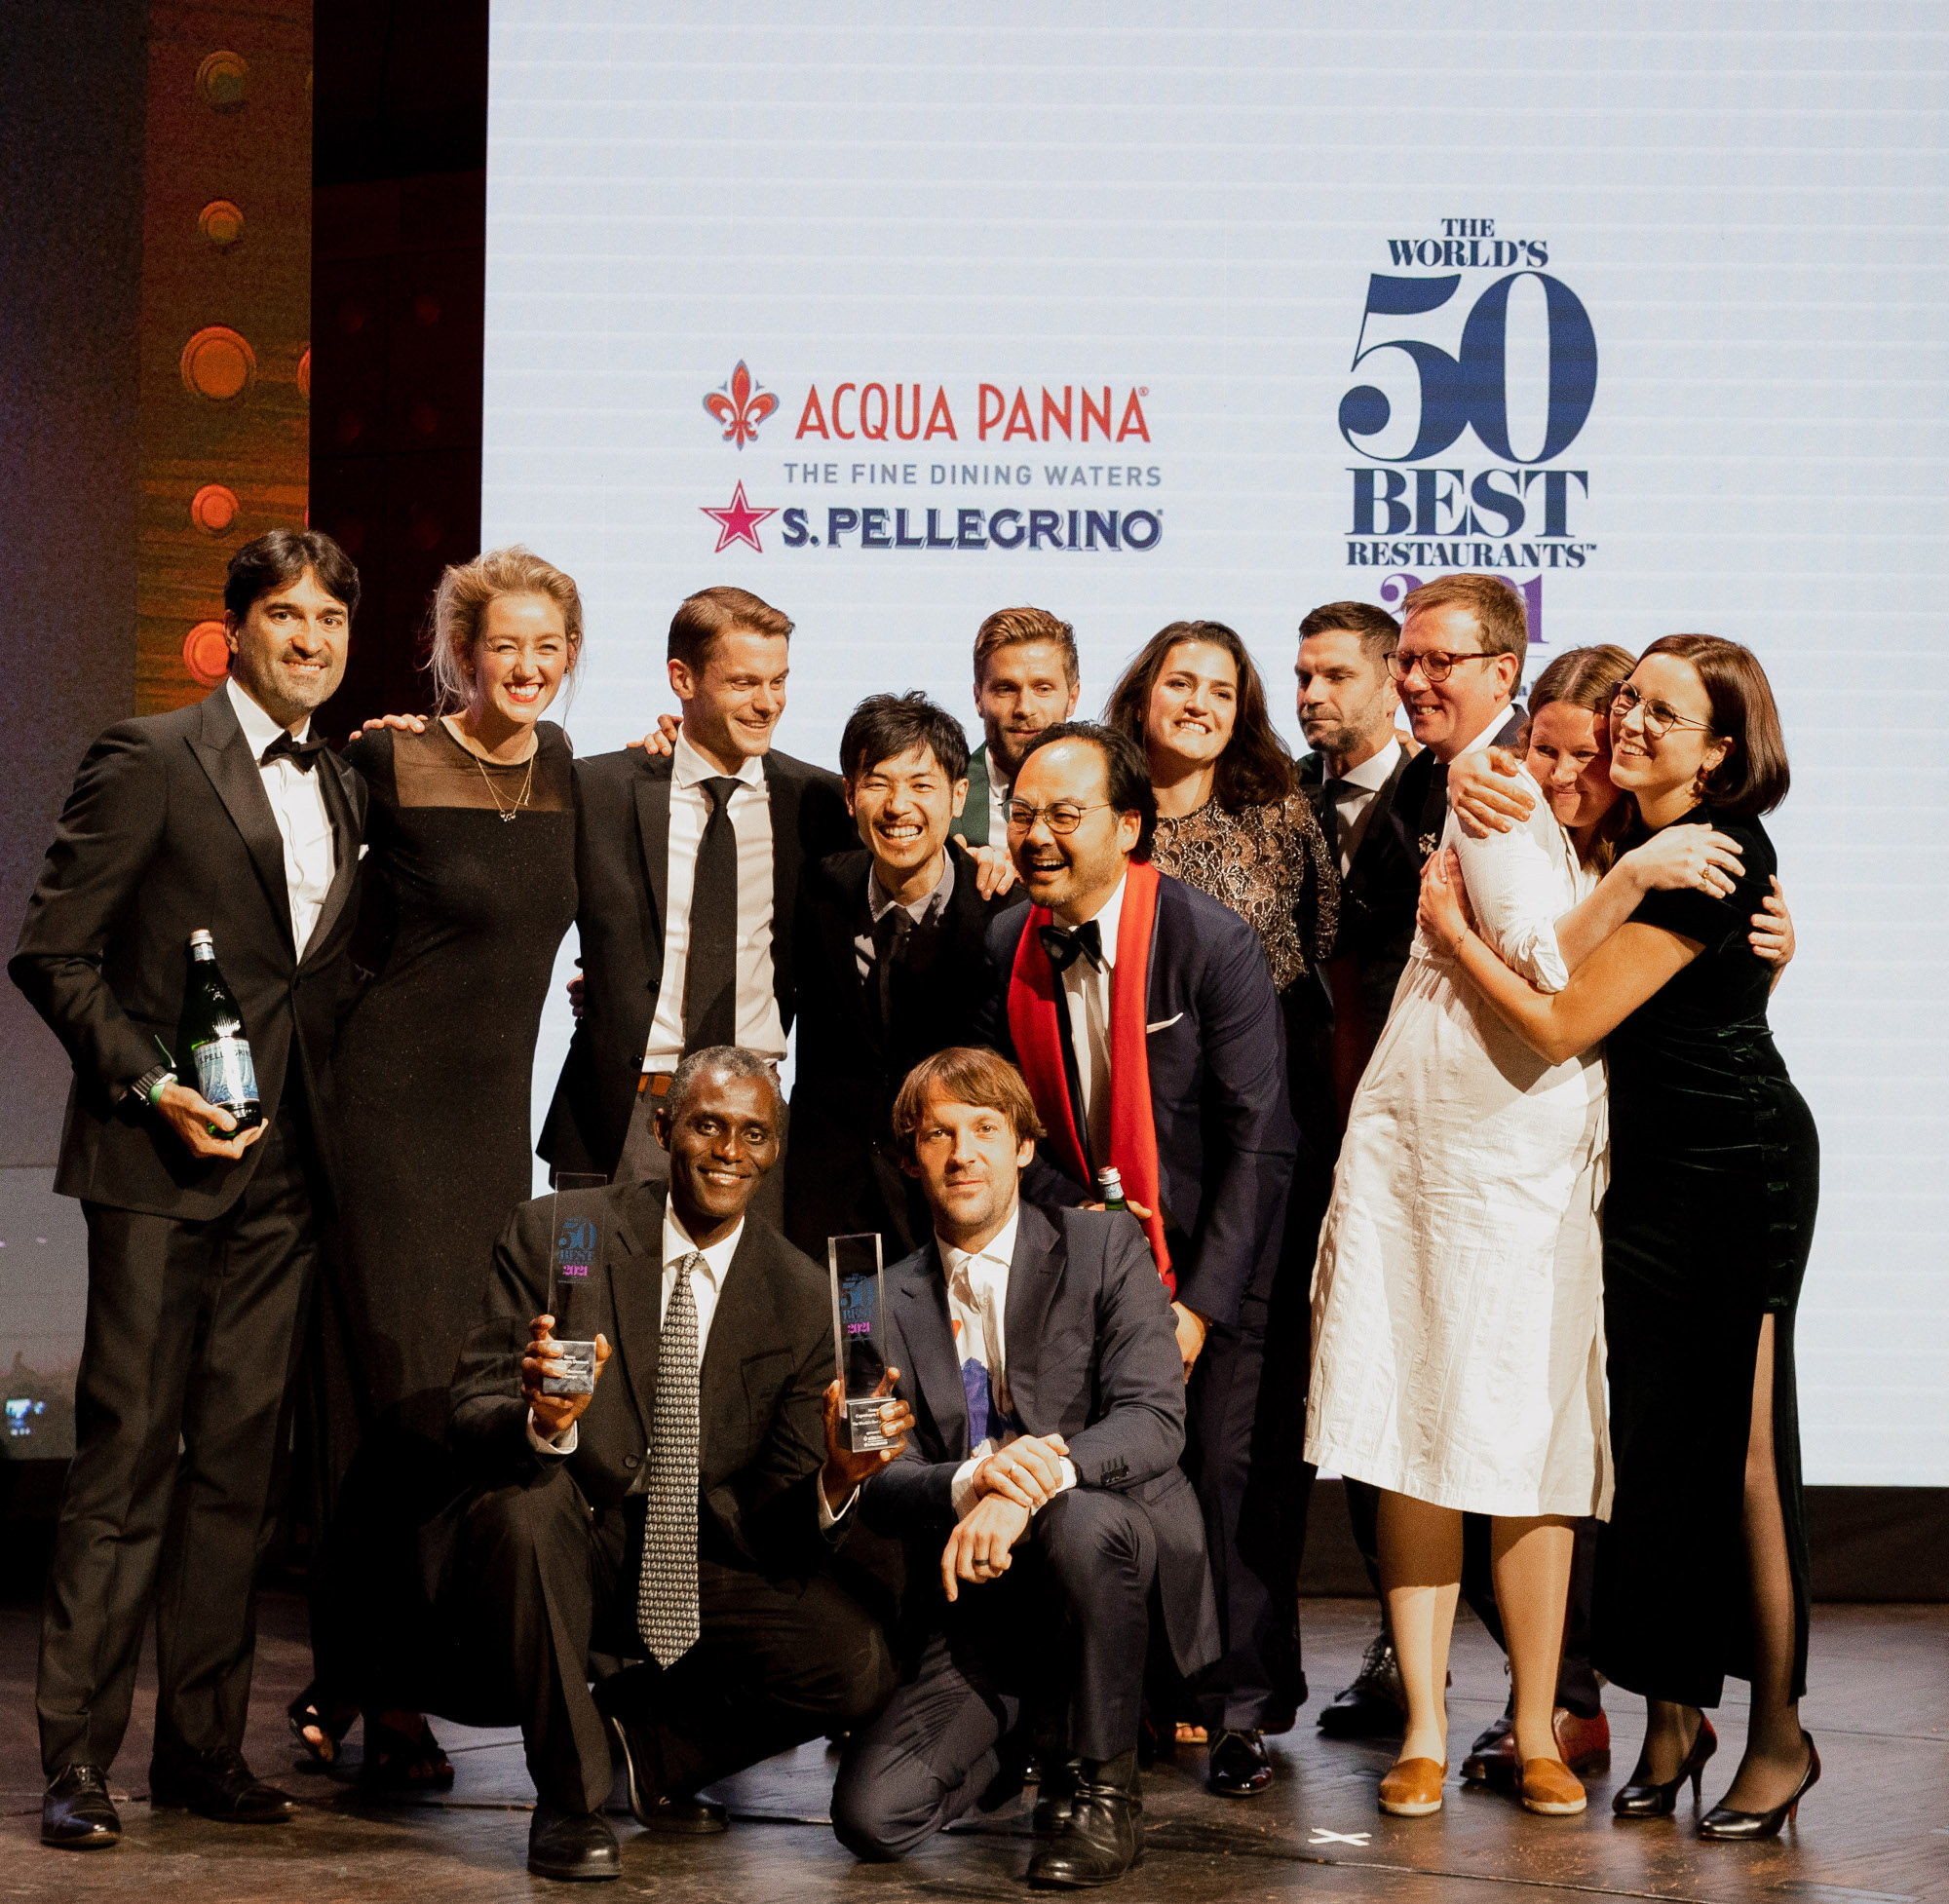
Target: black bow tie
(1063,947)
(302,754)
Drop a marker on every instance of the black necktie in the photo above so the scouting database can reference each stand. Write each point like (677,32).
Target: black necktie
(894,931)
(711,974)
(302,754)
(1329,814)
(1063,947)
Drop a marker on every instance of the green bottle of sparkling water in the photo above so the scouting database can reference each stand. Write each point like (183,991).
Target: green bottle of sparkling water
(1110,1188)
(212,1028)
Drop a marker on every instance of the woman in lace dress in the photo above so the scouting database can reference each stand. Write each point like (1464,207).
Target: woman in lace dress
(1232,821)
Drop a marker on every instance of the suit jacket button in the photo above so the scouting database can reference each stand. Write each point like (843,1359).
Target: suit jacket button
(632,1461)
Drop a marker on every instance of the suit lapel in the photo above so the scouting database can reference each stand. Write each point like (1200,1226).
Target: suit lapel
(636,1260)
(226,756)
(783,790)
(745,1322)
(934,1379)
(1033,1274)
(653,835)
(843,913)
(333,775)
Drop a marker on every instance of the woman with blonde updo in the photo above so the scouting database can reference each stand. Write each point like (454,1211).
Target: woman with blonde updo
(467,889)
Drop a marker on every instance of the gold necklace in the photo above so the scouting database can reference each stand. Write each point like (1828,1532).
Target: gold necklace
(509,814)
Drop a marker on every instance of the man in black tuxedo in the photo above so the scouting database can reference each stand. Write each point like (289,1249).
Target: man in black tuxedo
(890,963)
(1039,1493)
(684,1514)
(688,865)
(223,816)
(1159,1048)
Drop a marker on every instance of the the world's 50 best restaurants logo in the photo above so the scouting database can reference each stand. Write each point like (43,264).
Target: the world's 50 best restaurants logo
(919,465)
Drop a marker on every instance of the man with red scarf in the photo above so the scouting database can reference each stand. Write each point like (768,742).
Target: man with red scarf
(1142,1014)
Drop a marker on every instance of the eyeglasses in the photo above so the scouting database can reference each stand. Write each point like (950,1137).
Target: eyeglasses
(1658,719)
(1436,665)
(1065,817)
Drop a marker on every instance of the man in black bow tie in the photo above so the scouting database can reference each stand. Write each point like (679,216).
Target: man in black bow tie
(202,1236)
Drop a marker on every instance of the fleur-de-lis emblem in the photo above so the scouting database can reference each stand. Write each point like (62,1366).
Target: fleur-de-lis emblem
(742,409)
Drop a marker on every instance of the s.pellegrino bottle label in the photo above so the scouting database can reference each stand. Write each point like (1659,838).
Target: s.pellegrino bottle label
(213,1029)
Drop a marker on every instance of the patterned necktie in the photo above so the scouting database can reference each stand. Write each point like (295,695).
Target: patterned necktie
(666,1592)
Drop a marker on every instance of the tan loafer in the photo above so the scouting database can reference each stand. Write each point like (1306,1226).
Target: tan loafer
(1551,1787)
(1412,1787)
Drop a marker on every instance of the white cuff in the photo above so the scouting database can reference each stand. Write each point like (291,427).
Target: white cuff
(961,1495)
(830,1516)
(564,1443)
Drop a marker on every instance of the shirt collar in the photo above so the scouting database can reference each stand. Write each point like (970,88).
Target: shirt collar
(1372,774)
(260,728)
(1488,736)
(677,1245)
(1106,918)
(1000,1249)
(880,902)
(689,768)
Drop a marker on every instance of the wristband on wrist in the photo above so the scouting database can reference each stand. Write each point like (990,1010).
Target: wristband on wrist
(149,1088)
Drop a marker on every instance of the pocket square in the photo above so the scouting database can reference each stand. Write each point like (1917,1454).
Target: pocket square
(1162,1024)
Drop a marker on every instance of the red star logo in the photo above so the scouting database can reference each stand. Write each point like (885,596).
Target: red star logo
(739,522)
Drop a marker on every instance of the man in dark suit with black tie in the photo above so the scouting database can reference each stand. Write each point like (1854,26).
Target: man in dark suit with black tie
(1143,1016)
(688,865)
(683,1514)
(890,963)
(1040,1489)
(226,817)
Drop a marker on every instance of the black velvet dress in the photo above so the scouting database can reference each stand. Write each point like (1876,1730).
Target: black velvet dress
(461,915)
(1715,1170)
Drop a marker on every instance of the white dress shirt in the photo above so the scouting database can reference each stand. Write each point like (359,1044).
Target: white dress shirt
(999,793)
(1087,992)
(1355,802)
(977,1302)
(758,1026)
(297,805)
(706,1285)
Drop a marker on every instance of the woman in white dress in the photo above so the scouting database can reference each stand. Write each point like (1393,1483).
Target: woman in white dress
(1458,1359)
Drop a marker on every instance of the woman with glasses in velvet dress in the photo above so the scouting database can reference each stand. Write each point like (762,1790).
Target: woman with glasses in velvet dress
(1702,1569)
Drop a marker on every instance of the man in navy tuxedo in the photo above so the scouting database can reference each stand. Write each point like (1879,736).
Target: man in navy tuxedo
(1040,1489)
(1143,1016)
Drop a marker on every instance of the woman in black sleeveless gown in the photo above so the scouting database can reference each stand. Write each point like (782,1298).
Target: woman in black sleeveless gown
(467,887)
(1709,1222)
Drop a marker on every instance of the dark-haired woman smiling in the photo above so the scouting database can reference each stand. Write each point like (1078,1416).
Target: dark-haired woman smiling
(1715,1181)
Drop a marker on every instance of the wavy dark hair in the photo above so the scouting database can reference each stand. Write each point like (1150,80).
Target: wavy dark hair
(1256,769)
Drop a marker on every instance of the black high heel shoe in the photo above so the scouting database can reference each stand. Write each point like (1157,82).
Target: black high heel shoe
(1641,1798)
(1725,1826)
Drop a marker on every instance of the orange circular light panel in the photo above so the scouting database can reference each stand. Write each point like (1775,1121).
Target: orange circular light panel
(213,508)
(221,222)
(205,653)
(217,363)
(223,79)
(304,375)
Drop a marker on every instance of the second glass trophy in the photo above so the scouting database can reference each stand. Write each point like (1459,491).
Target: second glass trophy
(859,1336)
(572,1300)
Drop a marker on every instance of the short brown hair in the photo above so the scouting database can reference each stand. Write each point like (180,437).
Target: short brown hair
(965,1073)
(1498,609)
(1017,628)
(1379,632)
(460,606)
(1754,776)
(1255,770)
(1587,678)
(699,619)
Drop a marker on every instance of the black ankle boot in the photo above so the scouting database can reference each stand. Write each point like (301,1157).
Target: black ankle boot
(1103,1836)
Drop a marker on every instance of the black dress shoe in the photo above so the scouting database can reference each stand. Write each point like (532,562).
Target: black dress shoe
(1240,1766)
(576,1845)
(654,1811)
(1055,1797)
(77,1813)
(1375,1705)
(218,1784)
(1103,1836)
(1492,1758)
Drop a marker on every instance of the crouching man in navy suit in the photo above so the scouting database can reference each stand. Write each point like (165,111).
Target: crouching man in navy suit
(1039,1492)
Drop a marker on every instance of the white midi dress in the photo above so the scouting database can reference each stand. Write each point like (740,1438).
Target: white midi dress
(1458,1345)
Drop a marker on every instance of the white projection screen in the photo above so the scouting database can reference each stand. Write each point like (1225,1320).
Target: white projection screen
(896,315)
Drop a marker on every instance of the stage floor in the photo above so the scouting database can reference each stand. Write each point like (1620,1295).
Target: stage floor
(1875,1831)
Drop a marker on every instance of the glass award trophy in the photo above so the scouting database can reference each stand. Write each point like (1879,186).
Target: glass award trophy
(859,1336)
(578,1250)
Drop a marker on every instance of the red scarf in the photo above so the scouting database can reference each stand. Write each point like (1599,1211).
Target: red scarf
(1036,1027)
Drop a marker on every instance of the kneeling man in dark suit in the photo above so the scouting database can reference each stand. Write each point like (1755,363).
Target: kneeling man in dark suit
(1039,1492)
(681,1515)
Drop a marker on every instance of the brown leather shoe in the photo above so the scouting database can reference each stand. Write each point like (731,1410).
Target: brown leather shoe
(1551,1787)
(1582,1744)
(1412,1787)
